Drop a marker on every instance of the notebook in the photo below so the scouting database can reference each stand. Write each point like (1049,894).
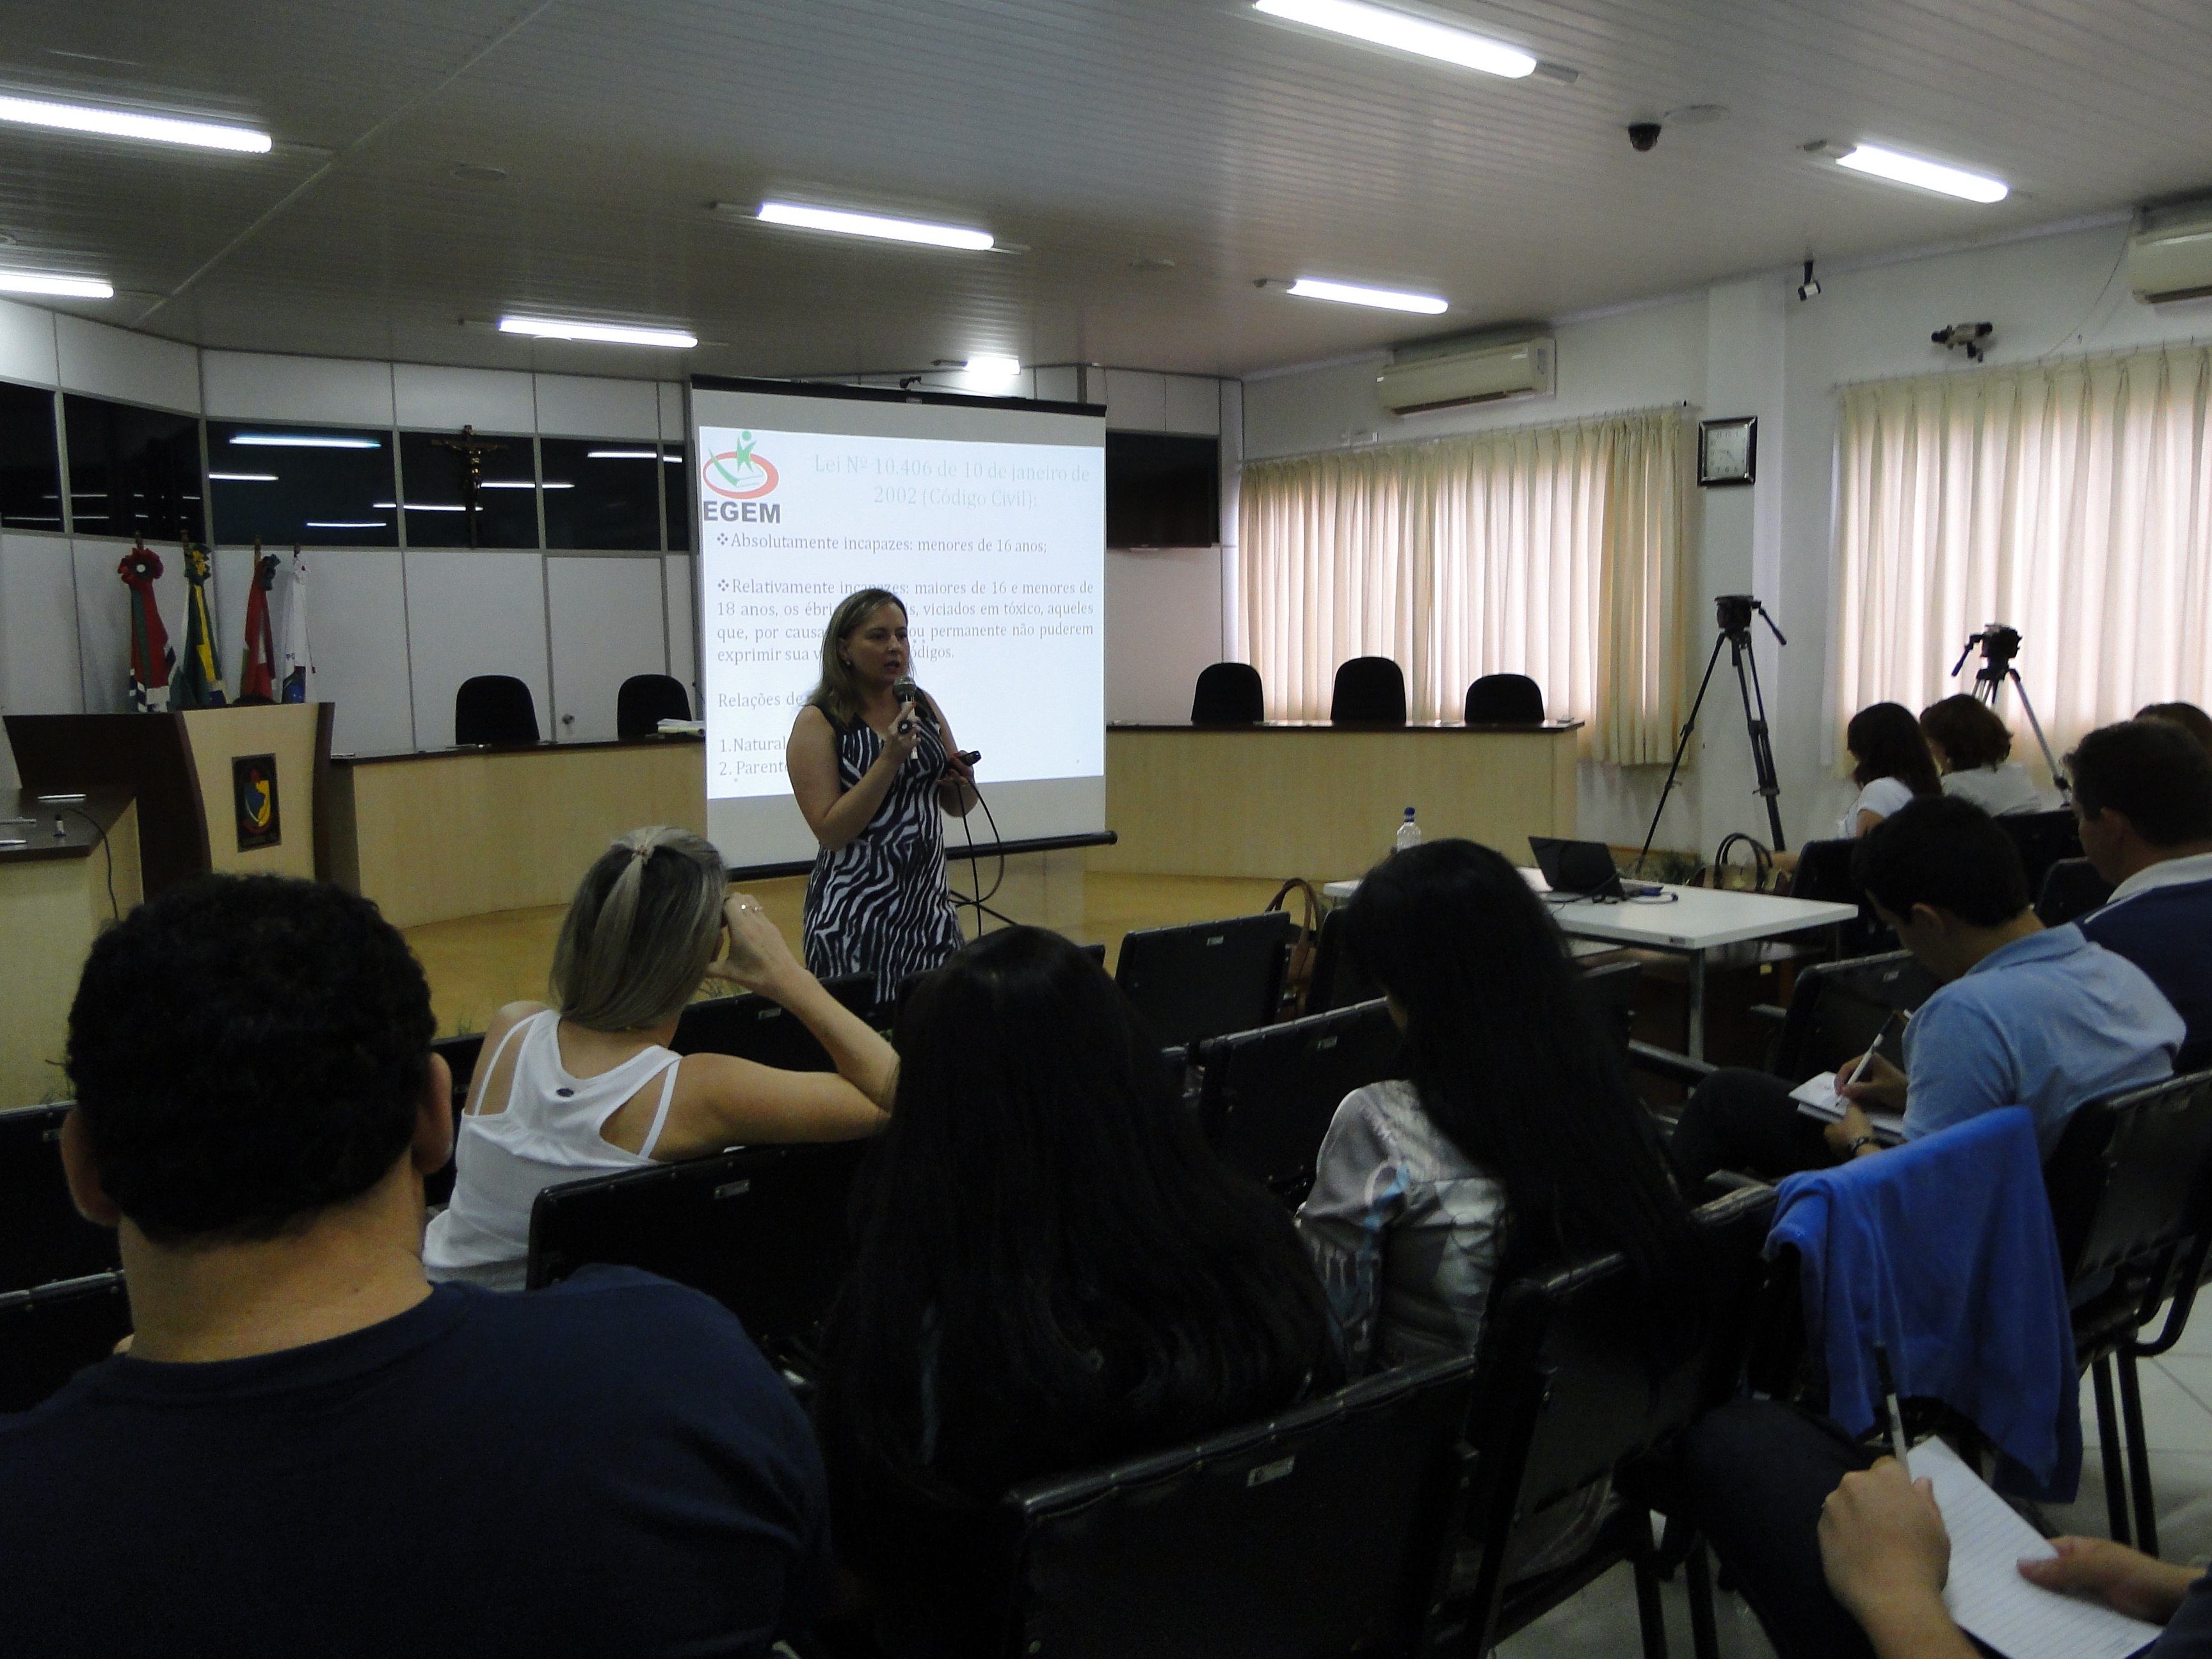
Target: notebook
(1987,1597)
(1816,1097)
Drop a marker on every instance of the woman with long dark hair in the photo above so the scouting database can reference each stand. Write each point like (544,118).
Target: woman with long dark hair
(1891,765)
(1051,1270)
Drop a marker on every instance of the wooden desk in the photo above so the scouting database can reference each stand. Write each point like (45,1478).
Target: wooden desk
(53,901)
(1319,800)
(462,832)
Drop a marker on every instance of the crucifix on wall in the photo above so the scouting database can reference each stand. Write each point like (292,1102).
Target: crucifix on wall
(472,450)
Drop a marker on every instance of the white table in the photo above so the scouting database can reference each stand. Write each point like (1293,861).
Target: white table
(1694,921)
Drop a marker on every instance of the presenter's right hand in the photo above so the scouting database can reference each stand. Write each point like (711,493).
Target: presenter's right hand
(754,953)
(905,737)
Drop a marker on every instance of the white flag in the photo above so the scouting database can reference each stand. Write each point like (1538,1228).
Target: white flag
(299,663)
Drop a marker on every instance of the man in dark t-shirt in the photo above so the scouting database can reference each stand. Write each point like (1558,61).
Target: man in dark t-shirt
(308,1450)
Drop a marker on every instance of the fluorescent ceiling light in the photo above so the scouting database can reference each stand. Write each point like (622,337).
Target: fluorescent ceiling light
(869,224)
(1928,175)
(73,288)
(1350,294)
(348,524)
(554,328)
(621,455)
(523,483)
(302,441)
(243,477)
(121,123)
(989,366)
(1383,28)
(423,507)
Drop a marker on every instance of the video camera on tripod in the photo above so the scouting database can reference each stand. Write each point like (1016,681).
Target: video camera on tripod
(1732,614)
(2000,644)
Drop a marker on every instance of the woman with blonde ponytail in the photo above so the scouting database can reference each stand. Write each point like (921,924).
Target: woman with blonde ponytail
(588,1083)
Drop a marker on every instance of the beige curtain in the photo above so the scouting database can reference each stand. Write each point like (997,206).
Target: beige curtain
(2072,501)
(1558,552)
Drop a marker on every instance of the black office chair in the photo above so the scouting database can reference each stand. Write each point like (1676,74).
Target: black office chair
(1228,694)
(1206,977)
(1369,691)
(494,710)
(1338,981)
(1823,873)
(755,1028)
(1837,1009)
(1504,700)
(1268,1095)
(645,700)
(760,1229)
(1569,1397)
(1612,990)
(2071,890)
(2043,838)
(50,1333)
(2130,1186)
(42,1237)
(460,1053)
(1322,1531)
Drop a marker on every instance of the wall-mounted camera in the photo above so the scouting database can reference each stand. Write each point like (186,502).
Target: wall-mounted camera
(1972,338)
(1808,289)
(1642,136)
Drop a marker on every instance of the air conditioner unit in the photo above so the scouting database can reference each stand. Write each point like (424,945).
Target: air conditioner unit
(1420,378)
(2170,255)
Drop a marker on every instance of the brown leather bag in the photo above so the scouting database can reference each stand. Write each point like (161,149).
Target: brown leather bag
(1297,973)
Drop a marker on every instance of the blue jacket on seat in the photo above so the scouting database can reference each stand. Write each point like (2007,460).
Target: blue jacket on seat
(1943,1249)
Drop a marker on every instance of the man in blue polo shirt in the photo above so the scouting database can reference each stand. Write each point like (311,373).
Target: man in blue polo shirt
(2143,790)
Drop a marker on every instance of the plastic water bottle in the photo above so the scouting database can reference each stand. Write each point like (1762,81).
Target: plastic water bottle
(1409,833)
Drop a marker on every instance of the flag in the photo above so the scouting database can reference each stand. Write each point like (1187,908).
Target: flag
(255,684)
(299,663)
(198,683)
(151,658)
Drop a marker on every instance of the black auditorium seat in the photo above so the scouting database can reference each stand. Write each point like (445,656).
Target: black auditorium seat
(1504,700)
(1228,694)
(460,1055)
(494,709)
(1837,1009)
(1268,1095)
(42,1237)
(761,1229)
(1369,691)
(2071,889)
(50,1333)
(1613,989)
(1321,1530)
(755,1028)
(645,700)
(2044,839)
(1206,977)
(1338,980)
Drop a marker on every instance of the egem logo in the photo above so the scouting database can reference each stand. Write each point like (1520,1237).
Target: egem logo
(739,475)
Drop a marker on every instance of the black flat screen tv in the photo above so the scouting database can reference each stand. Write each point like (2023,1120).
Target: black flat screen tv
(1163,489)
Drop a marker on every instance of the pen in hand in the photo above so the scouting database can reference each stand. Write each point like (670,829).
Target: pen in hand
(1887,1383)
(1866,1059)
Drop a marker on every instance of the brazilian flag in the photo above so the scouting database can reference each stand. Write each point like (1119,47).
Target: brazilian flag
(198,683)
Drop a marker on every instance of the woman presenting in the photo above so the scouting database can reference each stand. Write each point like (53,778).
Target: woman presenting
(872,772)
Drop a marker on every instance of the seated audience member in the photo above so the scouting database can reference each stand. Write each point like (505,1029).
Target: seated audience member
(593,1085)
(2024,1016)
(1051,1271)
(1891,765)
(307,1448)
(2143,790)
(1842,1556)
(1514,1141)
(1973,750)
(2186,715)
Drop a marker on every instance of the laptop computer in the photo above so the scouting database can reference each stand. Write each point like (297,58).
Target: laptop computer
(1585,867)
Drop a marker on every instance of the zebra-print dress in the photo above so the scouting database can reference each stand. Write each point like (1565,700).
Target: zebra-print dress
(878,904)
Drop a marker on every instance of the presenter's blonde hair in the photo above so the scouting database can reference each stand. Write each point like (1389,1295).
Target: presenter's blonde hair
(644,924)
(838,695)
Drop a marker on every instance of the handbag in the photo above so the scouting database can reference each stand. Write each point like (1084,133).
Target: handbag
(1298,972)
(1758,875)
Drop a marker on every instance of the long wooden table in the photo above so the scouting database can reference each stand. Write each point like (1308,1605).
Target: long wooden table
(1317,801)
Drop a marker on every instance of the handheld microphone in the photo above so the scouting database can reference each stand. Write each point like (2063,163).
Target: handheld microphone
(906,691)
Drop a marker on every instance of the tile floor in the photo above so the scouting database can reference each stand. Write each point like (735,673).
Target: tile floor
(2176,1392)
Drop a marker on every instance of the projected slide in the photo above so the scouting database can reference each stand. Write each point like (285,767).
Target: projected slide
(996,543)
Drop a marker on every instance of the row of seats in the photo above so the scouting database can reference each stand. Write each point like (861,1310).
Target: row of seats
(2049,845)
(1368,691)
(497,709)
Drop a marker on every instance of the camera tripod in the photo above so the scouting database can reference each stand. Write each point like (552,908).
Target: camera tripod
(2000,645)
(1733,612)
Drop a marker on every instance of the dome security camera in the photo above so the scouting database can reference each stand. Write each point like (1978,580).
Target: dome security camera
(1642,136)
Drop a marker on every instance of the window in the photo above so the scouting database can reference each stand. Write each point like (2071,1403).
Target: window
(601,492)
(2071,501)
(1558,552)
(286,483)
(676,487)
(133,471)
(435,476)
(30,462)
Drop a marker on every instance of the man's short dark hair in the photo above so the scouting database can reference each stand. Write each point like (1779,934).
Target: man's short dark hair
(2151,769)
(248,1050)
(1939,850)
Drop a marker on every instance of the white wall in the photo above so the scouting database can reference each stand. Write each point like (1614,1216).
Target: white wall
(1748,347)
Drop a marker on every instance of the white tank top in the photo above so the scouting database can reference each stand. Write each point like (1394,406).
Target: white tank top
(549,1133)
